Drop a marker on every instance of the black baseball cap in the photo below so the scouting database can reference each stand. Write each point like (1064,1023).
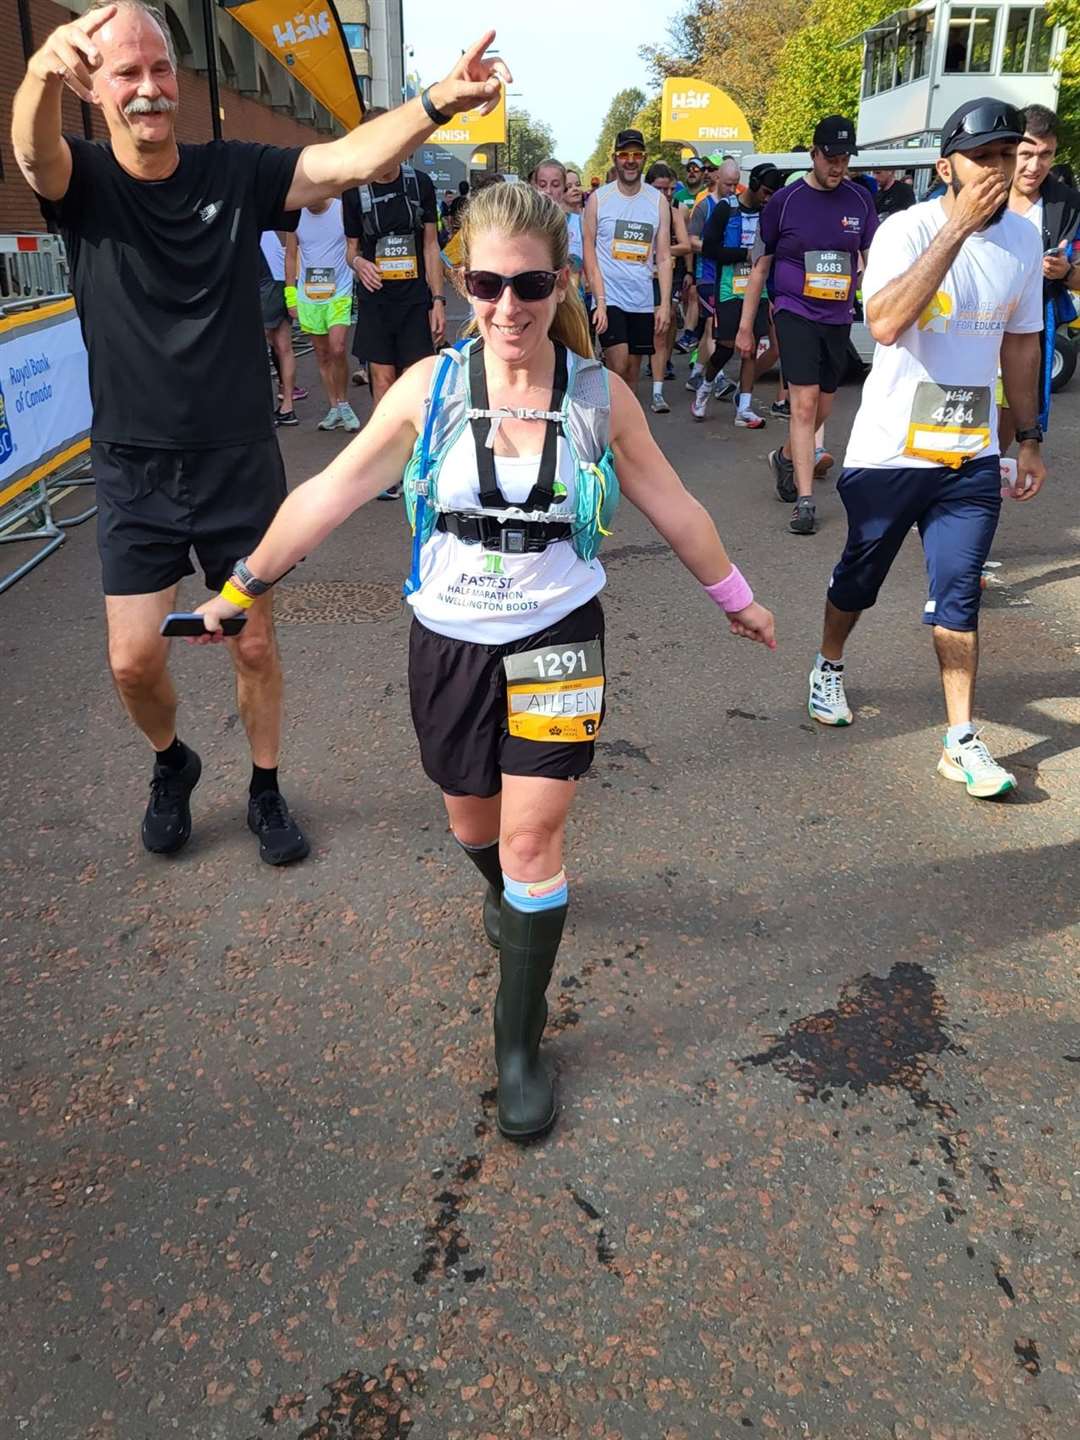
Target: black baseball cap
(835,136)
(981,122)
(629,140)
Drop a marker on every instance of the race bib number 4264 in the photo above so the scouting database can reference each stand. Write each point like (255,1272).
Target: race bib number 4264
(949,423)
(555,694)
(632,241)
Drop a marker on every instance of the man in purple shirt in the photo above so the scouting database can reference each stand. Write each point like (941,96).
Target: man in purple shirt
(812,237)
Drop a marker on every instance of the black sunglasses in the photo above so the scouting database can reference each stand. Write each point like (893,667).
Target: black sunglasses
(528,285)
(987,120)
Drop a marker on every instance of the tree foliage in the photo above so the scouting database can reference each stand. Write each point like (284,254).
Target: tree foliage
(621,114)
(529,142)
(733,44)
(817,72)
(1067,13)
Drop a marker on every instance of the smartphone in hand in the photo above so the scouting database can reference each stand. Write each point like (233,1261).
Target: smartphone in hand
(187,622)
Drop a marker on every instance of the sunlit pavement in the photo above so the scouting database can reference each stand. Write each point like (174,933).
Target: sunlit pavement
(814,1023)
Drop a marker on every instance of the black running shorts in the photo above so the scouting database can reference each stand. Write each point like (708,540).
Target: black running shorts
(392,335)
(272,298)
(458,695)
(156,506)
(811,353)
(635,328)
(729,318)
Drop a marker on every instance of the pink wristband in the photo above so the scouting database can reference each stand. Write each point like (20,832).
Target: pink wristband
(732,593)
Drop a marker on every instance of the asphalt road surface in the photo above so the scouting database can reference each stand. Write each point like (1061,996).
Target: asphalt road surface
(814,1022)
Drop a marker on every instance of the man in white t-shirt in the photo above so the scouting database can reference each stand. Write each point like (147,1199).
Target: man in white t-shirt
(952,287)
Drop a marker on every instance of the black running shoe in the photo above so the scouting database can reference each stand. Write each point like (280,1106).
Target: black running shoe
(784,472)
(166,826)
(286,417)
(781,409)
(803,517)
(281,841)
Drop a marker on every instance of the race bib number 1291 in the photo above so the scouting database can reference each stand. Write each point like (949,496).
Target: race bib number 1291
(555,694)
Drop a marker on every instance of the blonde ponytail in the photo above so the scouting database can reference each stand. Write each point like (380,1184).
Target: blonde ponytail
(518,209)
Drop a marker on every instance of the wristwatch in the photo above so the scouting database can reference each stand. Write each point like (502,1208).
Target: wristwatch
(1033,432)
(438,299)
(248,580)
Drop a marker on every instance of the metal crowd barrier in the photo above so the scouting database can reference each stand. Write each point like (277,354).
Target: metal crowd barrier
(32,266)
(30,501)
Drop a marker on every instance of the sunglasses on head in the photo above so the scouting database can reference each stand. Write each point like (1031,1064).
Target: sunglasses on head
(638,155)
(528,285)
(987,120)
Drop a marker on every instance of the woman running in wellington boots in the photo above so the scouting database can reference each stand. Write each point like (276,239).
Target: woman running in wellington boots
(514,449)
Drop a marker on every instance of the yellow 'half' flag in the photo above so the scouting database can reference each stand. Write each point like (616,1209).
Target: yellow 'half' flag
(308,40)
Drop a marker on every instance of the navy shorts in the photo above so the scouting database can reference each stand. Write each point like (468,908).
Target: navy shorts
(957,514)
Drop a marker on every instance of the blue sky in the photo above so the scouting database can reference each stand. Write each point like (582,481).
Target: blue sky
(568,57)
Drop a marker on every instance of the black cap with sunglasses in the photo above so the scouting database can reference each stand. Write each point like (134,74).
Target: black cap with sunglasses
(981,122)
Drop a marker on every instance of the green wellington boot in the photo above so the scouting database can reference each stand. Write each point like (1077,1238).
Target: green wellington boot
(529,944)
(486,860)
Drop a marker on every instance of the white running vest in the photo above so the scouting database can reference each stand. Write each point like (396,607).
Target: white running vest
(485,597)
(626,228)
(324,272)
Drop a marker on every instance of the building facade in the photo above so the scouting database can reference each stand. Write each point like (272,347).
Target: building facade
(373,30)
(259,99)
(920,64)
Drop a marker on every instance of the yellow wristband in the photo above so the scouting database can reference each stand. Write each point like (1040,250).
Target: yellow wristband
(236,596)
(290,296)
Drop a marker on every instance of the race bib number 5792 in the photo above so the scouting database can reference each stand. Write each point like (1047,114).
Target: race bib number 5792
(632,241)
(555,694)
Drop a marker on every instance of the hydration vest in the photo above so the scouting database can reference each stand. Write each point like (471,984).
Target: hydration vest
(369,206)
(581,412)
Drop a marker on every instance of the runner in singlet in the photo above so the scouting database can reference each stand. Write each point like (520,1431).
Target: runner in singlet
(627,236)
(506,663)
(662,178)
(318,287)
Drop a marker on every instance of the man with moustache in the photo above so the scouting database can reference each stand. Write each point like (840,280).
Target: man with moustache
(953,289)
(627,236)
(163,241)
(814,234)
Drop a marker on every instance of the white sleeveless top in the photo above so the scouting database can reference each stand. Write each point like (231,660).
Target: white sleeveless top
(626,245)
(321,239)
(486,597)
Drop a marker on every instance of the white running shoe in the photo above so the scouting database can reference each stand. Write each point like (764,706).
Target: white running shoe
(331,420)
(749,420)
(828,703)
(659,406)
(349,418)
(971,763)
(699,405)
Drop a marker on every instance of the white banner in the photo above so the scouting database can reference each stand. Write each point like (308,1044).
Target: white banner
(44,394)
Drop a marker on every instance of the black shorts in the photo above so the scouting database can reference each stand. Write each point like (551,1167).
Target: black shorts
(457,691)
(812,353)
(155,506)
(635,328)
(729,318)
(392,335)
(274,310)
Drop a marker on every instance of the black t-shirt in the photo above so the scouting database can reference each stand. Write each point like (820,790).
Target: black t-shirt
(390,206)
(899,196)
(165,275)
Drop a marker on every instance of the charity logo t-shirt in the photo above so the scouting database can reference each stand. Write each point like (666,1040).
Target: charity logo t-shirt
(816,237)
(993,288)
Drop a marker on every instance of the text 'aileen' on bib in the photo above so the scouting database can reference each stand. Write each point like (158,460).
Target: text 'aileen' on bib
(949,423)
(555,695)
(395,257)
(632,241)
(320,283)
(828,275)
